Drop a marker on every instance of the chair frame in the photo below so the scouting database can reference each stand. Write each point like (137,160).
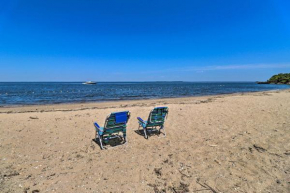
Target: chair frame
(147,128)
(108,135)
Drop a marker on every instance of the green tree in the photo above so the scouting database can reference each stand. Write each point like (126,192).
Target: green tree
(282,78)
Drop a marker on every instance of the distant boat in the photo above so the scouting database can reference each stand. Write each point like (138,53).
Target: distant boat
(89,82)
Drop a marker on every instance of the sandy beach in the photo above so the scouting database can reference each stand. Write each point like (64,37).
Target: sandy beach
(224,143)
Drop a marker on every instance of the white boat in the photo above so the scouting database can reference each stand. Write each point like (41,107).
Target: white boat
(89,82)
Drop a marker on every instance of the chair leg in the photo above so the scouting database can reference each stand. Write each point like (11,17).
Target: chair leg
(101,141)
(145,133)
(125,136)
(164,133)
(96,136)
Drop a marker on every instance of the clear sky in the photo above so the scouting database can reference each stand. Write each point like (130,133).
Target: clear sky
(143,40)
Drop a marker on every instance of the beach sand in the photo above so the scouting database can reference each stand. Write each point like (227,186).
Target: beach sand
(224,143)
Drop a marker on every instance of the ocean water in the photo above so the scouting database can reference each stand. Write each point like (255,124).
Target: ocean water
(75,92)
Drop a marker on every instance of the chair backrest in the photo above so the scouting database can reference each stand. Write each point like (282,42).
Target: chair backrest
(157,116)
(117,120)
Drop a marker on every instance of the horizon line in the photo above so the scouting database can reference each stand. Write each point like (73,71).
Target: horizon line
(128,81)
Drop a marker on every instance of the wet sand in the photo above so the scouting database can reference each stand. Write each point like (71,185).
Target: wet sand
(226,143)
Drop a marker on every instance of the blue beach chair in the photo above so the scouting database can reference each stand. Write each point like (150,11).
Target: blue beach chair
(115,124)
(155,120)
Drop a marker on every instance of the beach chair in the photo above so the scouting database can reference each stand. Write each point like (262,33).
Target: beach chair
(155,120)
(115,124)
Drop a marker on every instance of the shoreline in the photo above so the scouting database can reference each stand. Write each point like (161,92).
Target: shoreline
(103,104)
(67,95)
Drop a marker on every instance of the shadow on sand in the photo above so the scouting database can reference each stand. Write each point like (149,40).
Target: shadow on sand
(114,142)
(150,132)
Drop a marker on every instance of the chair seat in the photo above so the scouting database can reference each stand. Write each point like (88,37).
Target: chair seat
(145,124)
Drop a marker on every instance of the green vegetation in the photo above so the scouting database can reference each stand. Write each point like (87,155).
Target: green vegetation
(280,79)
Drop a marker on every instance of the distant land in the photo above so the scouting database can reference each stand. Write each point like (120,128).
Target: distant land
(282,78)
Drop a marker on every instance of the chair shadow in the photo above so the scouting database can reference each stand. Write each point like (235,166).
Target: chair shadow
(110,143)
(140,132)
(150,132)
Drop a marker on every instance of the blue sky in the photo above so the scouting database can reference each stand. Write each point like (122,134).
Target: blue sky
(110,40)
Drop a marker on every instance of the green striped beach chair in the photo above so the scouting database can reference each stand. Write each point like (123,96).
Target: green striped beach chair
(115,124)
(155,121)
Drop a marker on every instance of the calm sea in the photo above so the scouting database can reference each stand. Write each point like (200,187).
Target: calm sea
(76,92)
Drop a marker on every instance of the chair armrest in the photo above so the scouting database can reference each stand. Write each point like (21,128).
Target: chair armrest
(97,126)
(140,120)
